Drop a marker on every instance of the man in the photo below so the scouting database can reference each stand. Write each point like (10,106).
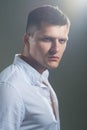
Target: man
(27,100)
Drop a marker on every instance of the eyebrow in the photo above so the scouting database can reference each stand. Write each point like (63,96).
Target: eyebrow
(50,37)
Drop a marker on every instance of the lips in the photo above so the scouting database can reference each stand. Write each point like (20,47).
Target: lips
(53,58)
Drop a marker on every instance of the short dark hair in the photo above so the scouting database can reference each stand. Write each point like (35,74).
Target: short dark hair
(46,14)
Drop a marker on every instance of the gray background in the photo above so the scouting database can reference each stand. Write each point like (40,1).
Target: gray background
(69,80)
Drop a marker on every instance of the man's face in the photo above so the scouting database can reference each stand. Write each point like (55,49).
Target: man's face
(47,45)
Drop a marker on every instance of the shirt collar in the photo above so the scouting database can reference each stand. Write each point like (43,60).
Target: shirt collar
(32,73)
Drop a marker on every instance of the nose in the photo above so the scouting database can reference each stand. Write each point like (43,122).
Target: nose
(56,45)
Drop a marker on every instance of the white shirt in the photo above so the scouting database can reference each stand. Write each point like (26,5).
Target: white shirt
(24,100)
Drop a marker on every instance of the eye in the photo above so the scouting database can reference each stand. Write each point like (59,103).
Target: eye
(46,39)
(62,41)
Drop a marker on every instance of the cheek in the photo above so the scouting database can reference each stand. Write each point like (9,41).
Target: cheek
(43,48)
(33,50)
(63,49)
(37,51)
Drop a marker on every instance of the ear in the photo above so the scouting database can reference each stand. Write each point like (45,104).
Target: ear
(26,38)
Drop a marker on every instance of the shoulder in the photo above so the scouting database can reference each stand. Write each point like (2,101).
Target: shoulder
(12,75)
(9,82)
(9,72)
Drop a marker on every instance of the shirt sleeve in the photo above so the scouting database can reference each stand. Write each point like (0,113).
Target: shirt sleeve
(11,108)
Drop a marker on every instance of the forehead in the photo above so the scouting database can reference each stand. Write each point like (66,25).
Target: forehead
(53,30)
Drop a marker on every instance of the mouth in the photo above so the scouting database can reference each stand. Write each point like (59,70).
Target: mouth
(53,58)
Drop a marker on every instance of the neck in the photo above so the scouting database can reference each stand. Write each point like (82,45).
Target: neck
(33,63)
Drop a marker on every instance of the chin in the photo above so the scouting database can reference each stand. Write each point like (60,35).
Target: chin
(53,66)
